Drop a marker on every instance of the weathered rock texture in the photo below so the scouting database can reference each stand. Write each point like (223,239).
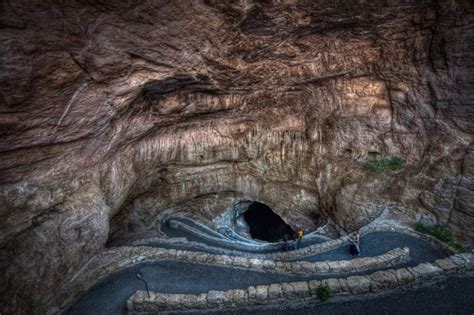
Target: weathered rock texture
(115,114)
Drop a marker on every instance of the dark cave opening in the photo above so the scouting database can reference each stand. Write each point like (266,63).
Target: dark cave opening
(265,224)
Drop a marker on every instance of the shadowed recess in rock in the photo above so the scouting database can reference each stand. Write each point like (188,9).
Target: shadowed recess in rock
(117,115)
(265,224)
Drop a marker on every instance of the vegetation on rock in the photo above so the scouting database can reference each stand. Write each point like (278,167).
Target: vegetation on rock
(324,292)
(440,232)
(383,164)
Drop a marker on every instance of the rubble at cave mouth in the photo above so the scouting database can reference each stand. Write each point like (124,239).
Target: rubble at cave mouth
(265,224)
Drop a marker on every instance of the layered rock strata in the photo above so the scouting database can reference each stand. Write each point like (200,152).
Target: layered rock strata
(115,115)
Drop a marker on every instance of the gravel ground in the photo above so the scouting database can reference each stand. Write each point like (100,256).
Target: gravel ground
(109,296)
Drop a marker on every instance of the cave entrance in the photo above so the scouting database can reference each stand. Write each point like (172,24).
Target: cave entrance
(265,224)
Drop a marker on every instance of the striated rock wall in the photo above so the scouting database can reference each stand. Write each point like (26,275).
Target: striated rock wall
(115,115)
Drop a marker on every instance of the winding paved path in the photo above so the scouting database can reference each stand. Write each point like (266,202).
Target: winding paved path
(452,296)
(110,295)
(377,243)
(222,242)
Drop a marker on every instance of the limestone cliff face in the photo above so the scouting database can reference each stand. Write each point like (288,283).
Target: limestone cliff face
(116,114)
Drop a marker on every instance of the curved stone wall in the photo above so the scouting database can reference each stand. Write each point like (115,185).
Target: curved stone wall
(304,291)
(118,258)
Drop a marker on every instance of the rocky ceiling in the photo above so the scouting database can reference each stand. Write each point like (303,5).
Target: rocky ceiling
(117,114)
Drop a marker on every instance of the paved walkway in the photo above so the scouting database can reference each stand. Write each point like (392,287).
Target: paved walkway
(379,243)
(223,242)
(452,296)
(109,296)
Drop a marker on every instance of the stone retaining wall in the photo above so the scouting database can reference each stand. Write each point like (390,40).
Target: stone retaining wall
(133,255)
(333,244)
(302,290)
(212,232)
(117,258)
(215,236)
(302,252)
(237,244)
(388,259)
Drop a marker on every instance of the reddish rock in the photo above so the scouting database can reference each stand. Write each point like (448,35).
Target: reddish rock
(117,114)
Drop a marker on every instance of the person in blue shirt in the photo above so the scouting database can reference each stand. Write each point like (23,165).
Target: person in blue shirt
(285,246)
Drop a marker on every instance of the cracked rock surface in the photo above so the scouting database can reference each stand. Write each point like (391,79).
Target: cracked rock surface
(115,115)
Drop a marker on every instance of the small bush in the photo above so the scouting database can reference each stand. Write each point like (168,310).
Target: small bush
(383,164)
(458,246)
(437,231)
(324,292)
(441,233)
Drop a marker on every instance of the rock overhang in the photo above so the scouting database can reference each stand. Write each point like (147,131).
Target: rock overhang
(133,110)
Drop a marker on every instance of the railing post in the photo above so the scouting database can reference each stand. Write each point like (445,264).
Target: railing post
(140,276)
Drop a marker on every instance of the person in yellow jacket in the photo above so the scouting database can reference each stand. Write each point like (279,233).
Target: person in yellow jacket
(299,236)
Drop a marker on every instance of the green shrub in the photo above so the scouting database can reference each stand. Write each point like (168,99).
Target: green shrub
(383,163)
(442,233)
(458,246)
(324,292)
(423,228)
(437,231)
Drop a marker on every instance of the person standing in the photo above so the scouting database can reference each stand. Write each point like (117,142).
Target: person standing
(354,241)
(285,246)
(299,237)
(230,233)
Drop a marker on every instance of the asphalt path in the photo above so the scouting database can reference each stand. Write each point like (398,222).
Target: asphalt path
(372,244)
(223,242)
(452,296)
(378,243)
(110,295)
